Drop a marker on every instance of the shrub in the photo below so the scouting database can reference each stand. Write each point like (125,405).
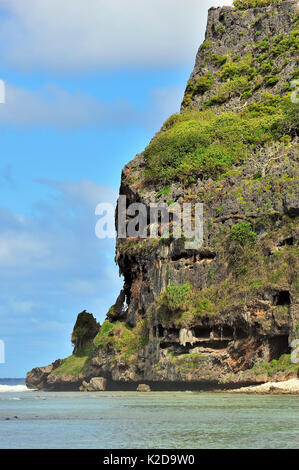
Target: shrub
(288,122)
(180,303)
(234,87)
(205,143)
(242,233)
(175,296)
(218,59)
(277,367)
(203,84)
(271,80)
(124,340)
(232,69)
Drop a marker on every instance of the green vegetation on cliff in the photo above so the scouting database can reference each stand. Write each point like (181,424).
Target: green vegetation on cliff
(77,363)
(204,143)
(250,273)
(245,4)
(277,368)
(123,340)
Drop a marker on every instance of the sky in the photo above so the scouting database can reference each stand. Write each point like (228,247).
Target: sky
(87,84)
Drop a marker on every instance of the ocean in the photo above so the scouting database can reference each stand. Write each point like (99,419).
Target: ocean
(155,420)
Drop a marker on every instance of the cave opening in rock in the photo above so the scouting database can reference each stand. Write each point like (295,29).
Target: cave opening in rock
(241,334)
(200,332)
(282,298)
(278,346)
(287,241)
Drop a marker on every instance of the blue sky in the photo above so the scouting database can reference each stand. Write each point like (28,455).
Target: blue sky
(88,83)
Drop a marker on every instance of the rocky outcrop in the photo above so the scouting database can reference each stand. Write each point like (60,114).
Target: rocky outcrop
(222,315)
(96,384)
(37,378)
(85,329)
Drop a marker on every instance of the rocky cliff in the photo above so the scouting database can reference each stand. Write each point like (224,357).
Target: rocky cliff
(223,314)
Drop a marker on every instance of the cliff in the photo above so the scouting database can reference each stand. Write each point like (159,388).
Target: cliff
(223,314)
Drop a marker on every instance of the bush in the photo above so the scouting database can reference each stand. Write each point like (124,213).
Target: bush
(207,144)
(203,84)
(124,340)
(276,368)
(175,296)
(232,69)
(242,233)
(234,87)
(218,59)
(271,80)
(288,123)
(182,303)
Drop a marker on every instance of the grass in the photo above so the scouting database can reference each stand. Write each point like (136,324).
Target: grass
(185,362)
(76,363)
(279,367)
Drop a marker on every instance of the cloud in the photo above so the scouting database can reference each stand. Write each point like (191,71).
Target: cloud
(55,253)
(90,34)
(56,107)
(20,249)
(52,106)
(52,266)
(85,192)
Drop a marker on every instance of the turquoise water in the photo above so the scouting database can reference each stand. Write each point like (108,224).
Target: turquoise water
(128,420)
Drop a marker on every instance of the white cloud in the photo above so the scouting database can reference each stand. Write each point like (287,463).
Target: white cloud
(22,249)
(56,107)
(52,106)
(79,34)
(84,192)
(52,239)
(52,266)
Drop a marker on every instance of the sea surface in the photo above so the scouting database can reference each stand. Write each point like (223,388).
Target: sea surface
(130,420)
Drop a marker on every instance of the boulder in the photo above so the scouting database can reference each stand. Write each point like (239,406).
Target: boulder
(143,388)
(96,384)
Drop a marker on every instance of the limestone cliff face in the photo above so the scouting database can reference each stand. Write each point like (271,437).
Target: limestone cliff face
(219,315)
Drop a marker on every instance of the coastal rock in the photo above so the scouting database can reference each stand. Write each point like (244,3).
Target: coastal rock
(37,377)
(222,315)
(143,388)
(96,384)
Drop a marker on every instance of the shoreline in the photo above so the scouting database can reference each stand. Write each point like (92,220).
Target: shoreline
(288,387)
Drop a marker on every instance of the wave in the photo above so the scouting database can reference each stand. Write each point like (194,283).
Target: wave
(14,388)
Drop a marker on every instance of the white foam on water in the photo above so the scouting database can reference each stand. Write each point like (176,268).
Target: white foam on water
(14,388)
